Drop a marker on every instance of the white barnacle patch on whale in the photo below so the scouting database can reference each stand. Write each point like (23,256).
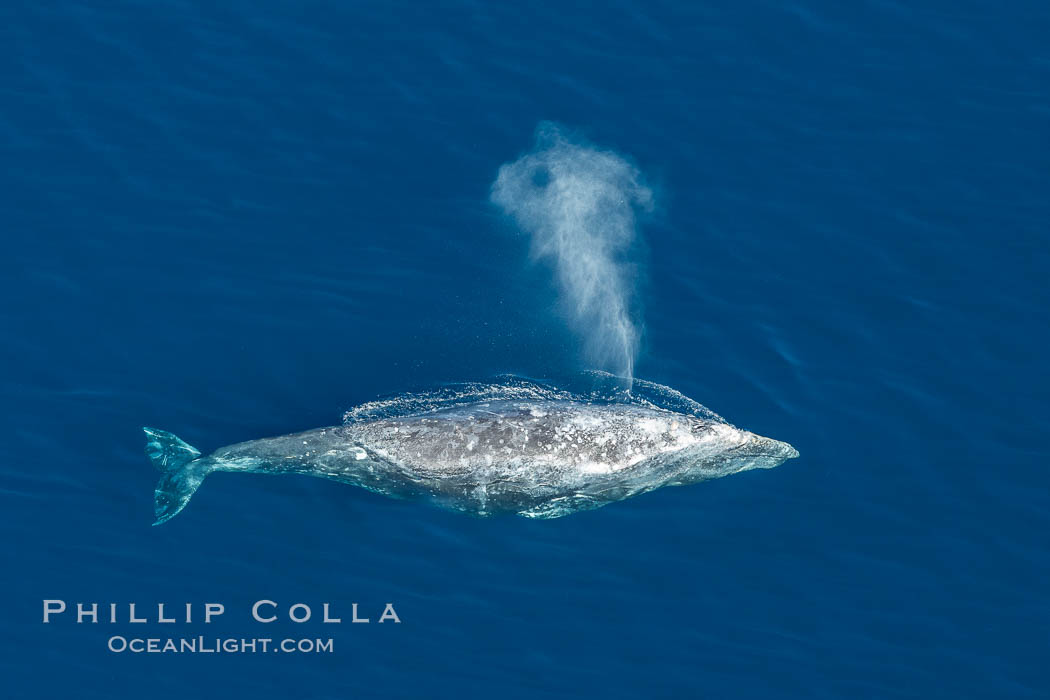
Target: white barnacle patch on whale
(595,468)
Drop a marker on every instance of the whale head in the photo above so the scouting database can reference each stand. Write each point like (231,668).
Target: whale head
(759,452)
(724,450)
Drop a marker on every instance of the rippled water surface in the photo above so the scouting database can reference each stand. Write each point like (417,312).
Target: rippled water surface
(236,220)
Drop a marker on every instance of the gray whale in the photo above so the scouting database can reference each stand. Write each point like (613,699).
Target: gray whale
(537,457)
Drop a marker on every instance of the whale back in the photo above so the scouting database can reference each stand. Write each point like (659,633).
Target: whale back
(538,436)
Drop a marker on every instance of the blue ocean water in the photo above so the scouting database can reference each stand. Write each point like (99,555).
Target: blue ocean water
(236,220)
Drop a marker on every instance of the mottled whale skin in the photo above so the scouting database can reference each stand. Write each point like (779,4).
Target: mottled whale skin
(536,458)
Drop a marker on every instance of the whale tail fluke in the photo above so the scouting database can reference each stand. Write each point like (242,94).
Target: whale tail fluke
(181,472)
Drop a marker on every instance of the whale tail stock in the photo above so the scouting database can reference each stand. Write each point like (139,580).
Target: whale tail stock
(181,472)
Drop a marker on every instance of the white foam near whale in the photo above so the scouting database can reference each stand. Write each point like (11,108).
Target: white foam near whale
(513,446)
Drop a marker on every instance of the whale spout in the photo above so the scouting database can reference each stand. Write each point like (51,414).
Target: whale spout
(182,472)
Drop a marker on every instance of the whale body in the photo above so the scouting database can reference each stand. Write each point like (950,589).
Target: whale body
(539,458)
